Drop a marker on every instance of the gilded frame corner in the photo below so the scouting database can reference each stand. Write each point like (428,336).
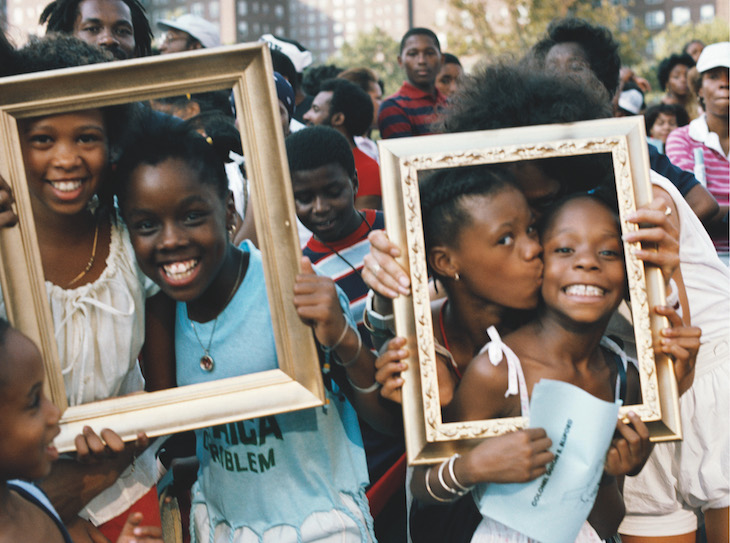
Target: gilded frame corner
(246,69)
(428,437)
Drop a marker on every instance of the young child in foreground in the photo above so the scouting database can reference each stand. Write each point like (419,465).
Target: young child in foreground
(583,283)
(28,425)
(296,476)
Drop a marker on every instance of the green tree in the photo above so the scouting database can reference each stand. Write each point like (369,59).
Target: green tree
(375,50)
(671,40)
(491,28)
(674,37)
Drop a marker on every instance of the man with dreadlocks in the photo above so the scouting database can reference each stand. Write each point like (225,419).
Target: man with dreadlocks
(120,26)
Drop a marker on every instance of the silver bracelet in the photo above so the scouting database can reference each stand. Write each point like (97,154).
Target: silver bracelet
(377,323)
(430,492)
(327,349)
(375,386)
(357,354)
(442,481)
(452,474)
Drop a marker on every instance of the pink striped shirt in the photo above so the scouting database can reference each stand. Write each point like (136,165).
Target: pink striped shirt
(680,149)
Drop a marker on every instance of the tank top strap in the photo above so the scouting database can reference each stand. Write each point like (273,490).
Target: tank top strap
(498,351)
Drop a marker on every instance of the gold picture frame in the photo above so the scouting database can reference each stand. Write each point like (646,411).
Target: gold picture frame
(246,69)
(428,438)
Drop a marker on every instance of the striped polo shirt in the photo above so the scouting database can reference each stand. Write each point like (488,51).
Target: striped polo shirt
(680,148)
(345,265)
(409,112)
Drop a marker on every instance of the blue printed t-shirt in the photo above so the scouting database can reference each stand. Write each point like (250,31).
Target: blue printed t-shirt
(274,470)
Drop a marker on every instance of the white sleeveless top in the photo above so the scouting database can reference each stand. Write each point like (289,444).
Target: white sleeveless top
(489,530)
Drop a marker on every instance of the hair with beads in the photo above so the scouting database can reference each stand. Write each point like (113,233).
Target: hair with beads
(155,137)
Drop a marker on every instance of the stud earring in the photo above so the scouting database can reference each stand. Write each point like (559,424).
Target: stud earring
(456,276)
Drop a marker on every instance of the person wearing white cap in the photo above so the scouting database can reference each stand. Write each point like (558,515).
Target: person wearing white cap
(630,102)
(702,145)
(300,58)
(187,33)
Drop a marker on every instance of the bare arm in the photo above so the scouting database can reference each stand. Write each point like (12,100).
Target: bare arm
(704,205)
(101,459)
(516,457)
(510,458)
(317,304)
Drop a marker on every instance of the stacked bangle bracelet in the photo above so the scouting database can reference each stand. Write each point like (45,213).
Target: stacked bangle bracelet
(456,491)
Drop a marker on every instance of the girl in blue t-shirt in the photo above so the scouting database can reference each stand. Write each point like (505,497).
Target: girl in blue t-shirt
(293,477)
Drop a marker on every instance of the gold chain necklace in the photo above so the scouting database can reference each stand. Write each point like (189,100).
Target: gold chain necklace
(91,260)
(206,361)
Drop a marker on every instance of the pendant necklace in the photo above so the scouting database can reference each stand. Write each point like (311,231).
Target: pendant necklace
(206,361)
(336,252)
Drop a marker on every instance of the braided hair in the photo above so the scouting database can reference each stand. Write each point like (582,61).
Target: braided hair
(444,193)
(61,15)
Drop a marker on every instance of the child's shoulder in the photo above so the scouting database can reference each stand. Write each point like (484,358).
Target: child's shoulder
(482,391)
(33,515)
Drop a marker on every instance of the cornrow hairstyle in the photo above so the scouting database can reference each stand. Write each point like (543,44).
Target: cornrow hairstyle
(652,114)
(61,15)
(156,137)
(317,146)
(597,41)
(420,31)
(362,77)
(668,64)
(443,194)
(351,100)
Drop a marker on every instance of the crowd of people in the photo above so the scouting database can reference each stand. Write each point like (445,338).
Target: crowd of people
(155,279)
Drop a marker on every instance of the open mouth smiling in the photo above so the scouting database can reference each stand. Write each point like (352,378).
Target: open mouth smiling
(180,270)
(584,290)
(66,185)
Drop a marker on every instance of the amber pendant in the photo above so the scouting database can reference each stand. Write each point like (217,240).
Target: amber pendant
(206,363)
